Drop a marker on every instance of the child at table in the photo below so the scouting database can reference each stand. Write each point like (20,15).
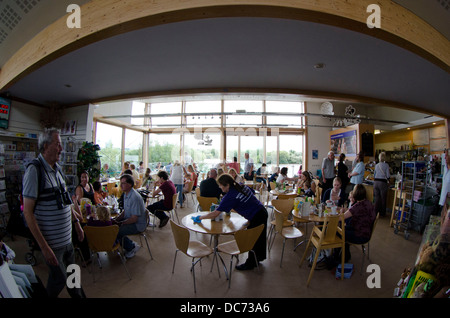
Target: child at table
(103,217)
(307,189)
(99,194)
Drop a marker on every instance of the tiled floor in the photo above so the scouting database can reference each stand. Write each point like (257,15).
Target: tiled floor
(154,278)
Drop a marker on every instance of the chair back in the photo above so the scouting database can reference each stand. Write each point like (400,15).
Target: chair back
(101,238)
(174,200)
(318,193)
(279,220)
(333,225)
(110,187)
(286,196)
(273,185)
(205,202)
(246,238)
(197,191)
(181,236)
(284,206)
(190,186)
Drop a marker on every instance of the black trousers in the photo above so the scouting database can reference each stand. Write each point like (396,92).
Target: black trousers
(157,209)
(260,247)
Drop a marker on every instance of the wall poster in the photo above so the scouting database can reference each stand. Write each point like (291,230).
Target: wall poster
(345,143)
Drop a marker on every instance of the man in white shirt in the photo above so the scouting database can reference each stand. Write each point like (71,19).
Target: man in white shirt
(248,167)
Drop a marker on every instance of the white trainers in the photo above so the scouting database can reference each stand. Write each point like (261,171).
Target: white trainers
(133,252)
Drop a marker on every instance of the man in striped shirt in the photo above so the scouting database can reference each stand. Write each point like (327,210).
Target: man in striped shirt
(48,214)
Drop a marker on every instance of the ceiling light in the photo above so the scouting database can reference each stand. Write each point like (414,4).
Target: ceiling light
(319,65)
(434,123)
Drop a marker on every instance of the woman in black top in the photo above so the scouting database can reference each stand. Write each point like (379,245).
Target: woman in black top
(342,171)
(85,189)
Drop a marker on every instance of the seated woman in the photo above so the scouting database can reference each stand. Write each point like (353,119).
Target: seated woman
(335,194)
(359,219)
(236,176)
(305,177)
(190,177)
(103,217)
(282,177)
(84,189)
(147,177)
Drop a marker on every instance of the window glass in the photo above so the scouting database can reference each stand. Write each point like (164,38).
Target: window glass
(238,106)
(133,146)
(195,107)
(284,107)
(204,149)
(163,149)
(165,109)
(109,138)
(254,146)
(137,109)
(291,153)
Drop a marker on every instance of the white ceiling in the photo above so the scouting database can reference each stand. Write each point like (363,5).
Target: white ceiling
(222,53)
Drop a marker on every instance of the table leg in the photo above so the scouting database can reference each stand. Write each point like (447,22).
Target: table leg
(217,257)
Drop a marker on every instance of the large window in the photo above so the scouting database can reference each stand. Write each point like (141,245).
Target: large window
(161,110)
(239,107)
(203,148)
(270,131)
(133,146)
(291,109)
(109,138)
(291,153)
(163,149)
(196,111)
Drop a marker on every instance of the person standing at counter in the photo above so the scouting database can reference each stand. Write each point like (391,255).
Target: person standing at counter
(381,184)
(328,172)
(357,174)
(242,200)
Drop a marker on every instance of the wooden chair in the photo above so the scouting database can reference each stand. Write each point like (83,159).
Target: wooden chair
(286,196)
(197,192)
(363,246)
(318,194)
(204,203)
(194,249)
(190,192)
(103,239)
(111,187)
(285,207)
(329,235)
(273,185)
(173,212)
(143,234)
(243,242)
(286,232)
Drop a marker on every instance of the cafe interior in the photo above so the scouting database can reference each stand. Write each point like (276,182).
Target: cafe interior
(204,83)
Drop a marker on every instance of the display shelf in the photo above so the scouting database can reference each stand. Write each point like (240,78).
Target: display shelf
(414,204)
(68,162)
(15,154)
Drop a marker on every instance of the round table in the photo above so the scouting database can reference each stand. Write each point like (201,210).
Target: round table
(230,224)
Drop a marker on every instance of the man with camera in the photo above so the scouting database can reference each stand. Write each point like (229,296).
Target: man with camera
(46,207)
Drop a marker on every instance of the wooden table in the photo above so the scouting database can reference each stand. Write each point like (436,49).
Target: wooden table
(229,225)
